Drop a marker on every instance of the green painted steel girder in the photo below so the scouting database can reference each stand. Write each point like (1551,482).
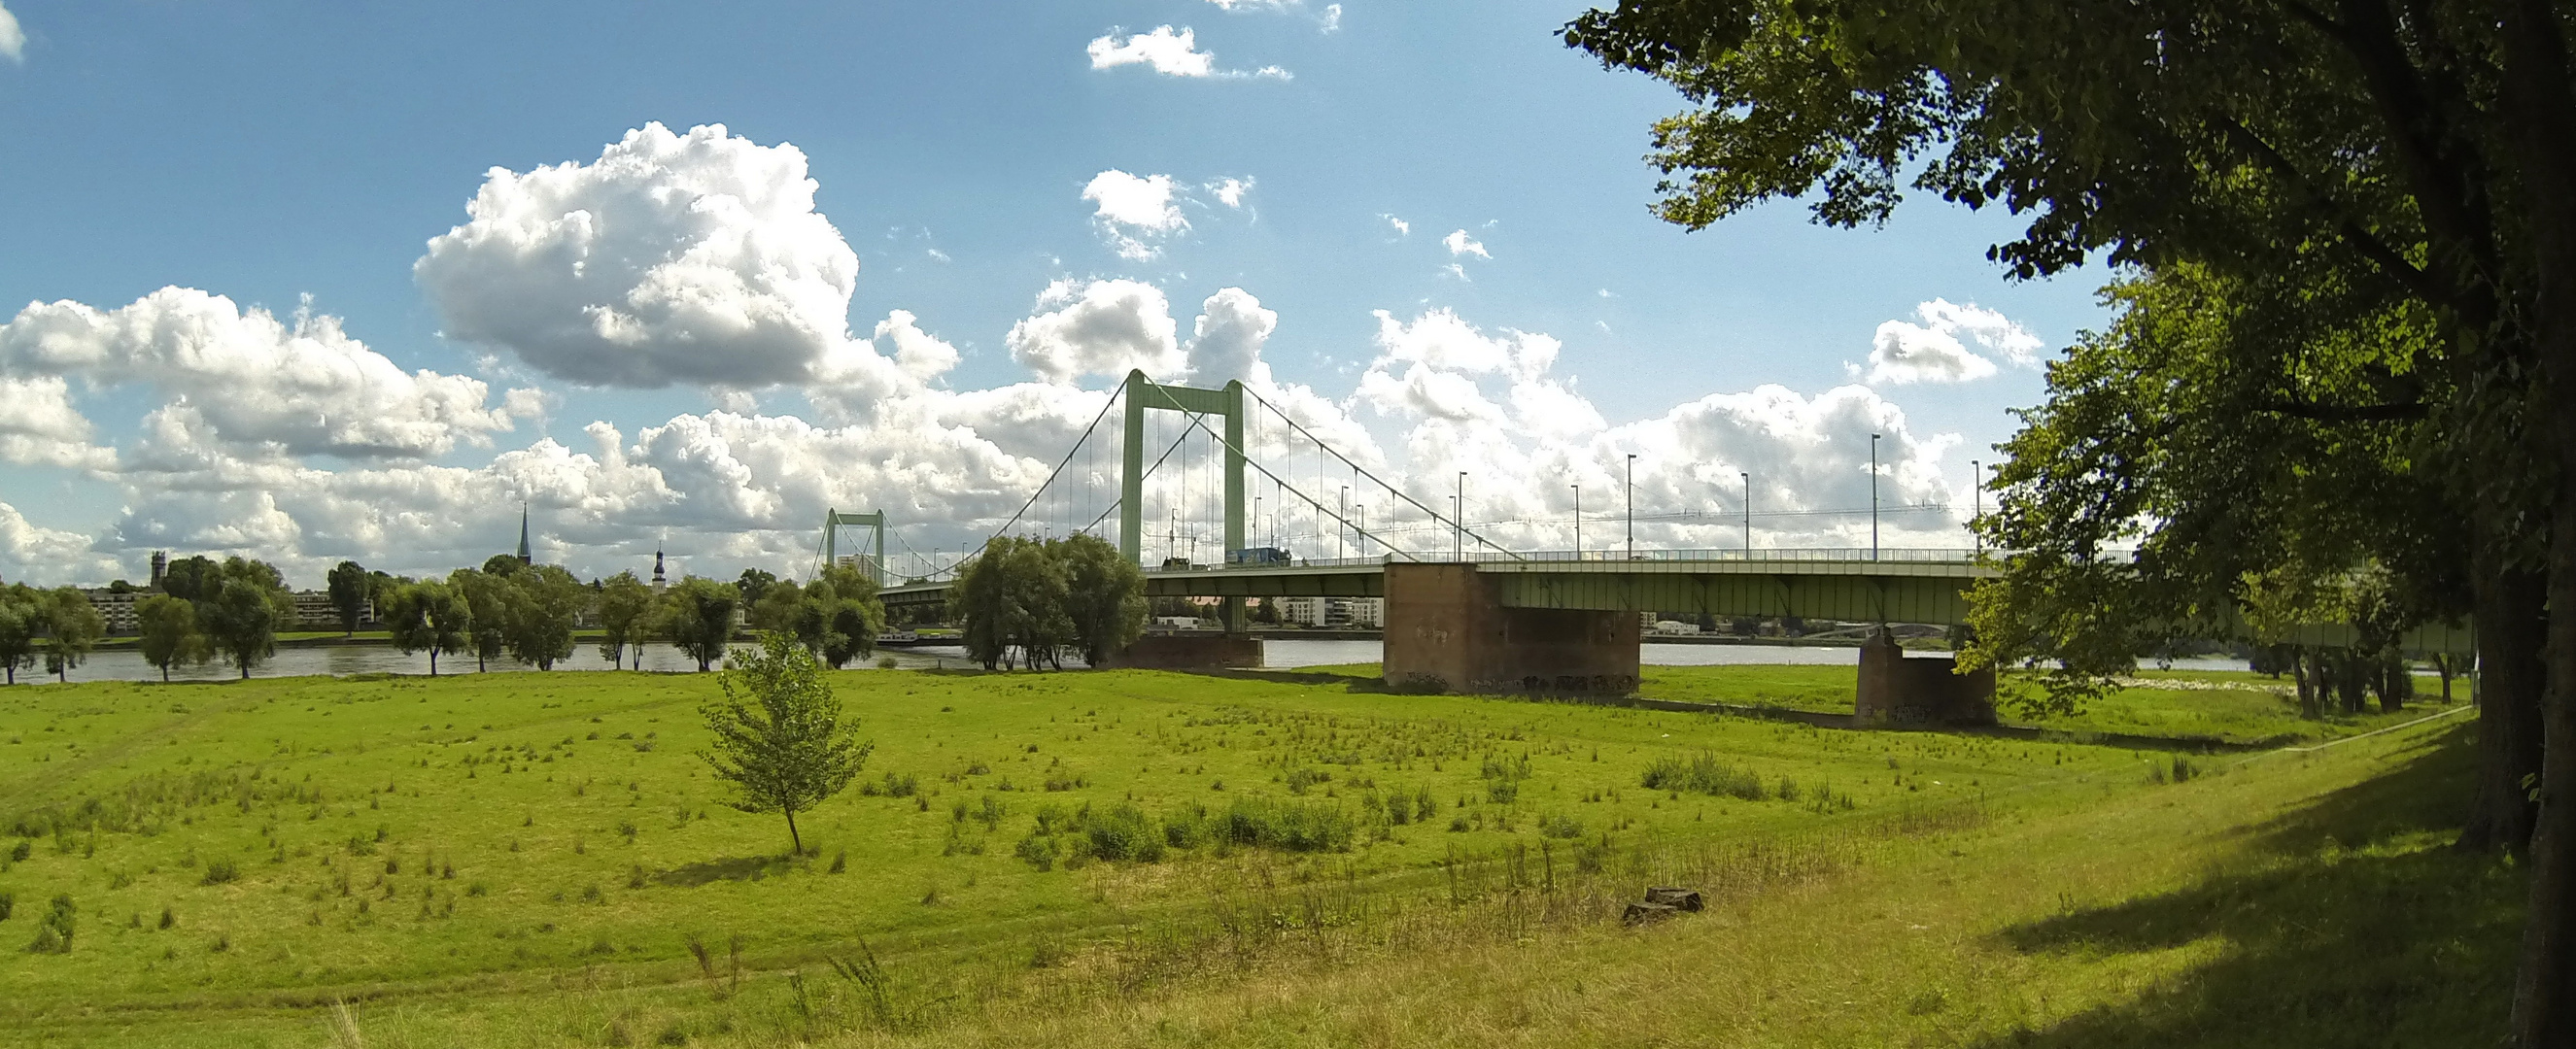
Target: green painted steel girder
(874,522)
(1143,394)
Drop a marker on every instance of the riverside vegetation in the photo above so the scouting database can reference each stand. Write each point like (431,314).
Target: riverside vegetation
(1151,858)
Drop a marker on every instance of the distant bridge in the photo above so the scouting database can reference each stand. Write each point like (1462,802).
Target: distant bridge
(1478,615)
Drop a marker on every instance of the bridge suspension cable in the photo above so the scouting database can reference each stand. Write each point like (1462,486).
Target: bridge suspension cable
(1195,419)
(1295,427)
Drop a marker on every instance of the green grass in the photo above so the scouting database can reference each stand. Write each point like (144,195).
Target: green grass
(530,858)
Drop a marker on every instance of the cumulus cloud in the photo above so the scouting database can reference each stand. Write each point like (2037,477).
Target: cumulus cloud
(1460,244)
(41,427)
(1231,191)
(1328,20)
(1930,349)
(248,379)
(1401,227)
(1227,340)
(1104,328)
(1171,53)
(46,555)
(13,40)
(1135,211)
(672,259)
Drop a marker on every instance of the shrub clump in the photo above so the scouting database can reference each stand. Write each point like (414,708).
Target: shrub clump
(1702,773)
(1125,832)
(54,934)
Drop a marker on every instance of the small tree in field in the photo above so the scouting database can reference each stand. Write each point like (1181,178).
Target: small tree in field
(779,736)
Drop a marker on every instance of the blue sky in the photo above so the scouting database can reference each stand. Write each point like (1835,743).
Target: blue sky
(272,152)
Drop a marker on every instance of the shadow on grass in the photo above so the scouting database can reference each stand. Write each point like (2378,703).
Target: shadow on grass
(729,868)
(2346,923)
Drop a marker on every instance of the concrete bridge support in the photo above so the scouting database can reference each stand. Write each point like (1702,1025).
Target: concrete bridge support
(1446,630)
(1921,690)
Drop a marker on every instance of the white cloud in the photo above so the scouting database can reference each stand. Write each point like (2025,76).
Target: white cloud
(13,40)
(1226,342)
(1105,327)
(1231,191)
(48,555)
(1170,52)
(1931,351)
(252,382)
(1329,19)
(40,427)
(1167,52)
(1455,270)
(1401,227)
(1135,211)
(672,259)
(1460,244)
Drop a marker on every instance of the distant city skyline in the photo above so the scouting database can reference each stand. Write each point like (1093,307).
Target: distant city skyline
(309,283)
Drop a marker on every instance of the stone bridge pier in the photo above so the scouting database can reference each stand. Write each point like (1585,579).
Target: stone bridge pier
(1448,631)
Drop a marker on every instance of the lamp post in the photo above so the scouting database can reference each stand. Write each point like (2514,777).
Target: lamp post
(1873,497)
(1458,515)
(1341,533)
(1578,521)
(1748,514)
(1256,521)
(1977,492)
(1631,482)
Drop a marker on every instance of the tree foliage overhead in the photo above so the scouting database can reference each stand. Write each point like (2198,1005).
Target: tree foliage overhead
(779,737)
(2417,153)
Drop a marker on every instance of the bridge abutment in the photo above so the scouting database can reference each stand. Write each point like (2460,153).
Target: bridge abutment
(1447,631)
(1922,690)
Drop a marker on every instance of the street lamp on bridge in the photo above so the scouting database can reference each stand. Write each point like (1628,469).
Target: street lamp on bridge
(1748,514)
(1873,497)
(1578,521)
(1631,482)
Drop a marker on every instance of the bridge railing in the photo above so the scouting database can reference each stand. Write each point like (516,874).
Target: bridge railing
(1916,555)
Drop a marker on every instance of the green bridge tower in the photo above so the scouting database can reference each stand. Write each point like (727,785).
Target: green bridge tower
(1143,394)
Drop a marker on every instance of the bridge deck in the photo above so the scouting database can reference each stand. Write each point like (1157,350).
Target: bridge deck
(1901,586)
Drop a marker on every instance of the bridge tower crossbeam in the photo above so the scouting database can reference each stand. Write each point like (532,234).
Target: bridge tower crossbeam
(874,522)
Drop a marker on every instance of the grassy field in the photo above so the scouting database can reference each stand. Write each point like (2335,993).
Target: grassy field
(540,859)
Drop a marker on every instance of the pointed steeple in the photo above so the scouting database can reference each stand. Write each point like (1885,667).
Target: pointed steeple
(525,555)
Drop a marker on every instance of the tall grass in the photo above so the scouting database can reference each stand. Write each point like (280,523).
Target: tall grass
(1703,773)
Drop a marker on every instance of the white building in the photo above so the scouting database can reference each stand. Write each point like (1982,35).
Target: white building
(1351,612)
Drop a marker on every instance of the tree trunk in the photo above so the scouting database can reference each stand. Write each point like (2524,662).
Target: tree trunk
(2513,624)
(433,661)
(2300,672)
(2540,108)
(165,673)
(794,840)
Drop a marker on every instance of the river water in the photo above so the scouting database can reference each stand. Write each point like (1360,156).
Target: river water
(372,659)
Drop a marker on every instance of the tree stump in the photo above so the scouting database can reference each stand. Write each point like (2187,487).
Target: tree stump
(1647,913)
(1675,897)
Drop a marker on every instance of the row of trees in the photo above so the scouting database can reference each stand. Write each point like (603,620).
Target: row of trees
(1031,602)
(529,613)
(2346,331)
(58,623)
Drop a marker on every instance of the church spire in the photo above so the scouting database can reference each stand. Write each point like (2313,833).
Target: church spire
(526,557)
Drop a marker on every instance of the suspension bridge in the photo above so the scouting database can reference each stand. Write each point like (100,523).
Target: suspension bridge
(1463,612)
